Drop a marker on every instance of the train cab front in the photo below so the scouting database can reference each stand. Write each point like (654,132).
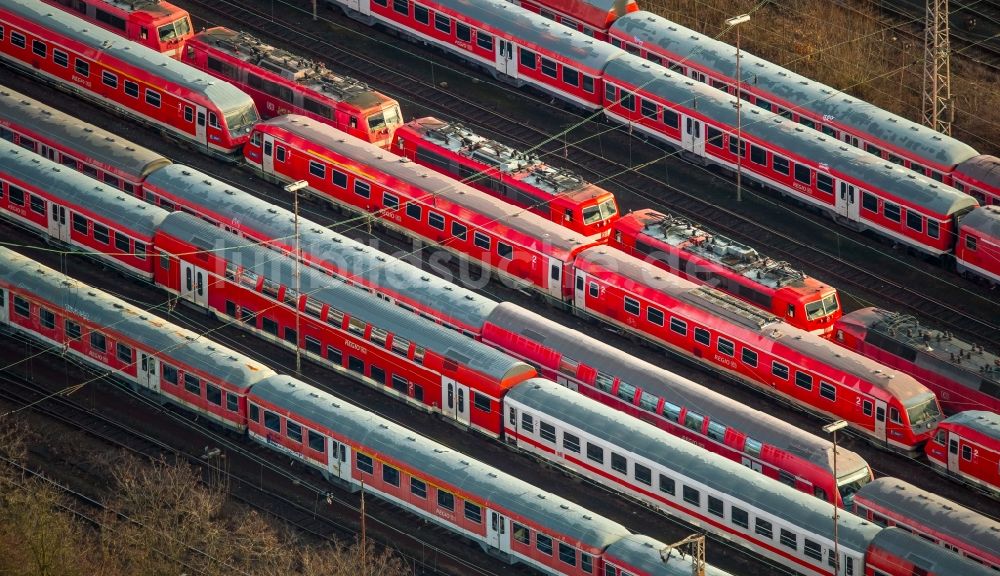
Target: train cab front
(382,122)
(171,36)
(848,484)
(594,216)
(816,313)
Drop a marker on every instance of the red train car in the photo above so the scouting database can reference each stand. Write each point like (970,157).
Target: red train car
(967,446)
(682,247)
(520,247)
(893,502)
(145,85)
(977,251)
(895,552)
(891,408)
(591,17)
(980,178)
(499,170)
(284,83)
(963,375)
(155,24)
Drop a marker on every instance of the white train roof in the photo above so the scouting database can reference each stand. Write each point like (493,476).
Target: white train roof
(716,473)
(89,140)
(223,94)
(933,511)
(644,553)
(401,169)
(676,389)
(158,336)
(931,557)
(324,245)
(982,421)
(437,463)
(985,220)
(348,299)
(79,189)
(788,135)
(746,315)
(801,92)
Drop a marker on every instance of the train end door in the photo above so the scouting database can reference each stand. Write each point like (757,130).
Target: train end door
(498,532)
(555,280)
(3,306)
(579,294)
(506,63)
(57,222)
(455,400)
(267,155)
(194,284)
(880,420)
(338,461)
(953,442)
(200,128)
(146,373)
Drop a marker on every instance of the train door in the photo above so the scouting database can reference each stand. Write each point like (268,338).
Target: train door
(267,157)
(455,400)
(339,461)
(48,152)
(880,419)
(146,374)
(555,284)
(847,201)
(57,222)
(579,291)
(194,284)
(953,452)
(506,64)
(3,306)
(200,130)
(691,137)
(498,533)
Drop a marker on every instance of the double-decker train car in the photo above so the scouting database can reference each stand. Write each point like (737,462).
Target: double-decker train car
(133,80)
(894,502)
(677,405)
(963,375)
(977,251)
(70,208)
(682,247)
(155,24)
(501,171)
(283,83)
(967,446)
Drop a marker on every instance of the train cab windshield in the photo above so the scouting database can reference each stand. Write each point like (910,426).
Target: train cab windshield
(603,211)
(825,306)
(923,409)
(386,119)
(175,30)
(850,484)
(241,120)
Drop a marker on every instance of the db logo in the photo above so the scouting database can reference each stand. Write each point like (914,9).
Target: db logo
(270,106)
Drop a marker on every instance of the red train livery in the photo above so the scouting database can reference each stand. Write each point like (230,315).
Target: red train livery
(283,83)
(591,18)
(977,252)
(683,248)
(146,85)
(155,24)
(497,169)
(967,446)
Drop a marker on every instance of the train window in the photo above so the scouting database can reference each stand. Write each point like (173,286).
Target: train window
(970,241)
(122,243)
(528,59)
(123,352)
(763,104)
(869,202)
(735,142)
(752,447)
(567,554)
(389,474)
(232,403)
(702,336)
(803,380)
(937,176)
(483,404)
(528,423)
(671,411)
(548,67)
(319,170)
(588,83)
(827,391)
(313,345)
(192,384)
(481,240)
(967,453)
(473,513)
(317,108)
(716,507)
(73,333)
(667,485)
(170,376)
(463,32)
(521,533)
(442,23)
(270,326)
(873,150)
(679,326)
(648,108)
(382,3)
(418,488)
(109,79)
(335,356)
(485,41)
(317,441)
(824,183)
(571,443)
(60,58)
(18,39)
(365,463)
(505,250)
(813,550)
(609,93)
(131,89)
(780,164)
(543,543)
(786,478)
(390,201)
(595,453)
(338,178)
(726,347)
(37,204)
(414,211)
(1,32)
(571,77)
(626,391)
(828,130)
(693,421)
(933,228)
(445,499)
(763,527)
(891,211)
(866,407)
(362,189)
(749,357)
(619,464)
(15,195)
(604,382)
(655,59)
(713,135)
(98,342)
(594,290)
(586,560)
(547,431)
(655,316)
(48,319)
(459,231)
(692,496)
(894,416)
(779,370)
(716,431)
(436,220)
(355,365)
(803,174)
(789,539)
(214,395)
(632,306)
(643,474)
(401,6)
(807,122)
(110,19)
(213,121)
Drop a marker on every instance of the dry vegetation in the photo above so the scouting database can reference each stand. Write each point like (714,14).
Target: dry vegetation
(160,521)
(853,50)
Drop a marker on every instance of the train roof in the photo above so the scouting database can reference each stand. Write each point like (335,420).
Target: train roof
(79,189)
(935,512)
(652,557)
(776,130)
(941,352)
(985,422)
(984,168)
(596,13)
(931,557)
(802,93)
(488,486)
(154,7)
(679,390)
(322,244)
(348,299)
(223,94)
(715,472)
(92,142)
(536,227)
(310,74)
(534,31)
(156,335)
(985,220)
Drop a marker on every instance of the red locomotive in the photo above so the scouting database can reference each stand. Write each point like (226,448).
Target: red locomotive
(967,446)
(155,24)
(282,83)
(683,248)
(977,252)
(499,170)
(591,18)
(964,376)
(180,101)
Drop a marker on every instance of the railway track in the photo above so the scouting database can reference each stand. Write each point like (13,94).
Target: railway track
(642,181)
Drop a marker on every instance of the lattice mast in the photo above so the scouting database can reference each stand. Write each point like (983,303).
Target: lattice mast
(693,548)
(937,110)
